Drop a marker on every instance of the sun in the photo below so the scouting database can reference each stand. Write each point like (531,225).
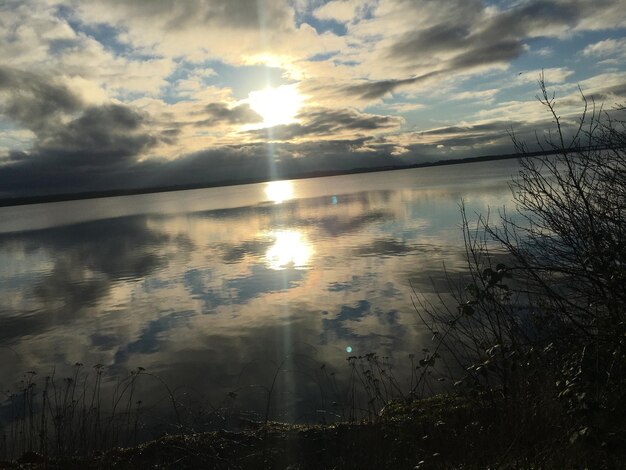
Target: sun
(276,106)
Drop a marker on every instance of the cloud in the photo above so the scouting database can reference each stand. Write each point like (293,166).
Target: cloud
(487,54)
(68,131)
(481,95)
(470,42)
(485,128)
(201,29)
(488,137)
(479,36)
(606,48)
(222,113)
(269,160)
(331,122)
(447,42)
(243,14)
(377,89)
(543,52)
(52,40)
(32,100)
(434,39)
(603,82)
(92,152)
(101,135)
(345,10)
(74,171)
(74,144)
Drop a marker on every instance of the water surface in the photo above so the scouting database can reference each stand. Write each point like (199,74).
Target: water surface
(214,289)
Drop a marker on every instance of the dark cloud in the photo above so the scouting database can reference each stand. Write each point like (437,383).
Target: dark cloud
(101,136)
(494,126)
(331,120)
(323,122)
(266,161)
(377,89)
(220,112)
(499,53)
(32,100)
(61,171)
(63,123)
(244,14)
(468,39)
(615,92)
(471,41)
(495,134)
(421,44)
(502,38)
(494,138)
(98,149)
(58,171)
(83,156)
(532,17)
(75,146)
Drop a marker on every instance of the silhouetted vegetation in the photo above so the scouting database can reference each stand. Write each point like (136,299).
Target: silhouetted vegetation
(539,330)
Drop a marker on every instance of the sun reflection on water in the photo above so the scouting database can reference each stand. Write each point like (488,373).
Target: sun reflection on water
(279,191)
(290,249)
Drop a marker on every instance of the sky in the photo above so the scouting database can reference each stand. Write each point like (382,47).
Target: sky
(120,94)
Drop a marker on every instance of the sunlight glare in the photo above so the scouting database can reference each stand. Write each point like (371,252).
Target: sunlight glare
(290,249)
(276,106)
(279,191)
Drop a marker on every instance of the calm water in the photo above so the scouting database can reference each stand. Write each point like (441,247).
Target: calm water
(213,289)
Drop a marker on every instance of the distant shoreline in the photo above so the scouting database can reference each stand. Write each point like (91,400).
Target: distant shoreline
(20,201)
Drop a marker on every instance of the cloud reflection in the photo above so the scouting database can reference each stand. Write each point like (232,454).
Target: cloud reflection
(211,290)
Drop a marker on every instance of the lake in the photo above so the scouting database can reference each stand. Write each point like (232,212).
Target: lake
(234,289)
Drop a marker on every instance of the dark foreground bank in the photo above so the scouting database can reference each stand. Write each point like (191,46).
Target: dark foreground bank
(440,432)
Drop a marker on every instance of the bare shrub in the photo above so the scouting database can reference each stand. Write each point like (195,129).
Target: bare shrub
(539,328)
